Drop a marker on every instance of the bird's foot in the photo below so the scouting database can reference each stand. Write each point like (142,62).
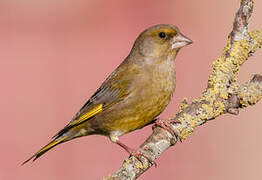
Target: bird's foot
(138,154)
(167,125)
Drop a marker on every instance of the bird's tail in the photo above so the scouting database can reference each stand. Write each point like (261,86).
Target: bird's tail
(46,148)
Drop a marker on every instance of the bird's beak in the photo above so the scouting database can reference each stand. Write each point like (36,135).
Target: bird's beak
(180,41)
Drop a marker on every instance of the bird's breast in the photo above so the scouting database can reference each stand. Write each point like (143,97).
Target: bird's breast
(159,88)
(151,92)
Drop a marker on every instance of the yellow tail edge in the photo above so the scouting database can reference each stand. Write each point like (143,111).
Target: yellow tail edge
(45,149)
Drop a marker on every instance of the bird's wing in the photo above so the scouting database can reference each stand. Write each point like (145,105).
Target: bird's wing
(115,88)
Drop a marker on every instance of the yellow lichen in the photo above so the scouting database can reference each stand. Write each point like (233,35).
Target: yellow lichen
(207,111)
(183,105)
(219,108)
(225,70)
(257,37)
(191,122)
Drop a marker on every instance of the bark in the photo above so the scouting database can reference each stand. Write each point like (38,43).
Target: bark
(222,95)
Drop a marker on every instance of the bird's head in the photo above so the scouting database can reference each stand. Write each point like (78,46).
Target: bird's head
(160,41)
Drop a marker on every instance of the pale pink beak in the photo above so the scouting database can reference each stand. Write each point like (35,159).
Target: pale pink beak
(180,41)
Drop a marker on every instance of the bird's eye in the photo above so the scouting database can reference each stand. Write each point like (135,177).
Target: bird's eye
(162,35)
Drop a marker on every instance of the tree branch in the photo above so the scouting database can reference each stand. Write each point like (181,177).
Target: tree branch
(222,95)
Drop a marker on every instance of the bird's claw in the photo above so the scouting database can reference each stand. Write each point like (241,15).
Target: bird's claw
(166,124)
(138,154)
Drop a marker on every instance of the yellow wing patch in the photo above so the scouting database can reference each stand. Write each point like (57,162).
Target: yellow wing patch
(50,145)
(88,115)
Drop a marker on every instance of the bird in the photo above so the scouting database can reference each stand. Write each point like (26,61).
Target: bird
(133,95)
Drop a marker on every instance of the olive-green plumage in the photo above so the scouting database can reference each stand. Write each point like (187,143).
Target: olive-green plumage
(134,94)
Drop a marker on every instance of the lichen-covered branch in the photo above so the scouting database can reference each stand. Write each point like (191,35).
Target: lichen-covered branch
(222,95)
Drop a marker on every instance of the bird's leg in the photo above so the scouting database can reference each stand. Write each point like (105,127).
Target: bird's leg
(138,154)
(166,124)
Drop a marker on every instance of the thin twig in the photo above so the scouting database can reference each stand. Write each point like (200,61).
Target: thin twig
(222,95)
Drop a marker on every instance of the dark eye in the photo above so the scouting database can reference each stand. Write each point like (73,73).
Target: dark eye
(162,35)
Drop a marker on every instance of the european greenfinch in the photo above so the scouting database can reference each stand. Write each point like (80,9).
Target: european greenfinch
(136,92)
